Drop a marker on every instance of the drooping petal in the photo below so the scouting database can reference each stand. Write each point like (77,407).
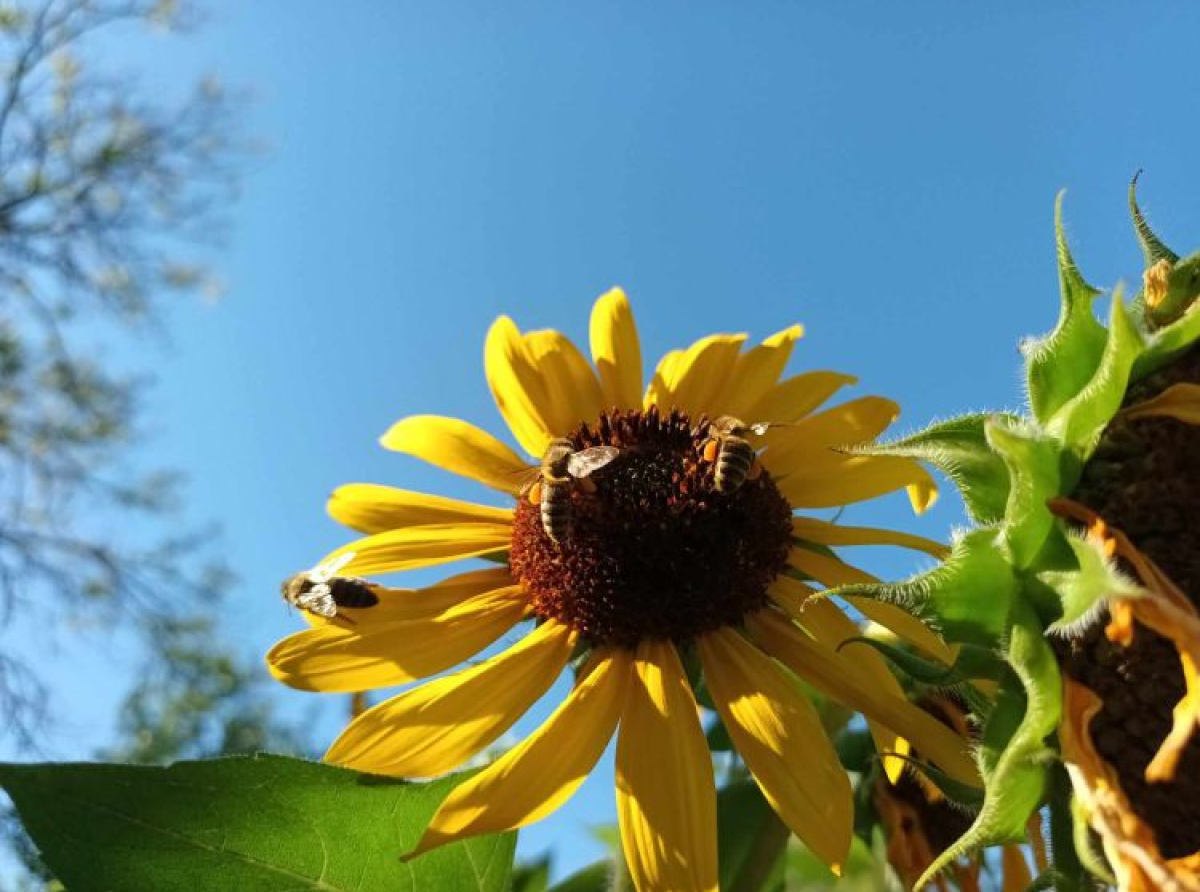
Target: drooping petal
(824,533)
(518,387)
(457,447)
(538,775)
(795,397)
(424,546)
(336,659)
(856,478)
(825,622)
(756,372)
(835,674)
(572,392)
(438,726)
(850,423)
(904,624)
(666,796)
(616,351)
(779,735)
(825,569)
(703,372)
(370,508)
(1179,401)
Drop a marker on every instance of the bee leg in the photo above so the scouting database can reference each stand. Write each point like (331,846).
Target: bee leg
(755,471)
(342,620)
(712,449)
(535,493)
(586,484)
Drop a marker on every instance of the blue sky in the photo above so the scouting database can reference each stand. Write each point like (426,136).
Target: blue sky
(883,173)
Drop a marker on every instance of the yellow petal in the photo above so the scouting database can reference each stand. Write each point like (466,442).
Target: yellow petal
(838,676)
(824,533)
(370,508)
(848,424)
(779,736)
(829,626)
(790,594)
(757,371)
(518,387)
(905,625)
(666,796)
(399,604)
(332,658)
(538,775)
(458,447)
(572,392)
(661,389)
(425,546)
(617,351)
(855,478)
(436,727)
(827,570)
(703,372)
(797,396)
(1179,401)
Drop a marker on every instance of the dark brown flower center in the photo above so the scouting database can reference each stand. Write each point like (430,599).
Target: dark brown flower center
(1144,479)
(653,551)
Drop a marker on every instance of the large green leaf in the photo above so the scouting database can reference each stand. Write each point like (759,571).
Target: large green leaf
(751,840)
(1059,365)
(958,448)
(596,877)
(258,824)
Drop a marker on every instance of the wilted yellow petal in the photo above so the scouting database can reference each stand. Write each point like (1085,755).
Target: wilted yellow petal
(666,796)
(1179,401)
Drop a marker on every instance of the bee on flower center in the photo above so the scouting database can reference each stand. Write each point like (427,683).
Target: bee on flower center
(734,458)
(555,478)
(322,592)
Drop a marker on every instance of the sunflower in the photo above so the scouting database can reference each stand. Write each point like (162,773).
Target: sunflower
(920,822)
(661,583)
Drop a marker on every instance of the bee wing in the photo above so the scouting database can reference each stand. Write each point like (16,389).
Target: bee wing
(583,463)
(526,477)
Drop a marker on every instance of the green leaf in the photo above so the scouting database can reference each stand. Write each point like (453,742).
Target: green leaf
(751,840)
(258,824)
(596,877)
(958,448)
(533,876)
(967,597)
(1168,342)
(1080,421)
(1033,466)
(972,662)
(1081,591)
(1153,248)
(1016,771)
(1059,365)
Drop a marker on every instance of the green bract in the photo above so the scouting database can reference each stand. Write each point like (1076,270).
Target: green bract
(1022,572)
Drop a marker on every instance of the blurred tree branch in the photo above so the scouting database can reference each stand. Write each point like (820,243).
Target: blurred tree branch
(108,203)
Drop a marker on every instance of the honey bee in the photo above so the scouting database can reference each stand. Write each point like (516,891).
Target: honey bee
(322,592)
(554,481)
(733,457)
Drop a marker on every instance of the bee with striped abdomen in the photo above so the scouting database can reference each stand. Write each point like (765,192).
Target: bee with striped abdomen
(560,468)
(733,457)
(322,592)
